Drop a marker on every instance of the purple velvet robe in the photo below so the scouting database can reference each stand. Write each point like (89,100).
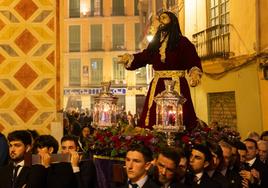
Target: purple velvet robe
(184,57)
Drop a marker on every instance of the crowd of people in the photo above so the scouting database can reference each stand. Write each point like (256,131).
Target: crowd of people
(224,164)
(74,121)
(17,173)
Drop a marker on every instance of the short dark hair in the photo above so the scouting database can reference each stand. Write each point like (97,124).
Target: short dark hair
(263,134)
(240,145)
(45,141)
(253,141)
(70,137)
(20,135)
(34,133)
(205,150)
(215,148)
(144,150)
(171,153)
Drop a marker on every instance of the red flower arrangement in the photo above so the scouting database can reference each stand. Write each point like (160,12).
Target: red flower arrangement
(115,141)
(203,133)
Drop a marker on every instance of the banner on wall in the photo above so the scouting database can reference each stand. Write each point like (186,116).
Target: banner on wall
(93,91)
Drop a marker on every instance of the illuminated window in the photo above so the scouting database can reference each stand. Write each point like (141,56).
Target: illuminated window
(219,15)
(96,7)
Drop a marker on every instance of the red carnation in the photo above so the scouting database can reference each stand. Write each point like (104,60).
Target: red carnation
(185,139)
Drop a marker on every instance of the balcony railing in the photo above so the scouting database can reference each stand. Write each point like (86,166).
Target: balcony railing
(75,13)
(74,47)
(118,46)
(213,42)
(116,11)
(91,14)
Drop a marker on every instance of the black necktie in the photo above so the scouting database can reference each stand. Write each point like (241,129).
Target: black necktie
(195,180)
(134,185)
(15,173)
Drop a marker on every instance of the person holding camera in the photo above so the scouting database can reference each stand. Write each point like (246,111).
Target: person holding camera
(256,172)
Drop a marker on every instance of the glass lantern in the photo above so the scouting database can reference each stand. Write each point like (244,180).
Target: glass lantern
(105,108)
(169,114)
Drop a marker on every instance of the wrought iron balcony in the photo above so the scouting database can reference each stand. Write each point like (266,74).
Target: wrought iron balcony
(118,46)
(118,11)
(213,42)
(74,47)
(75,13)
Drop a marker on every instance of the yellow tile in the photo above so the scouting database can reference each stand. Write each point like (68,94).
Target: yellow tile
(42,100)
(44,68)
(6,2)
(43,33)
(9,101)
(8,32)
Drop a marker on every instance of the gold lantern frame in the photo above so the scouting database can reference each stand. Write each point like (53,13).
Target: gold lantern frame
(169,114)
(105,108)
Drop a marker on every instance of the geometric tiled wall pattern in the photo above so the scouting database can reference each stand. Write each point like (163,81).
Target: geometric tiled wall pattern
(28,64)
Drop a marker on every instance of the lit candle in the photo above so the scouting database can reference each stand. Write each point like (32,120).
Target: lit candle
(171,117)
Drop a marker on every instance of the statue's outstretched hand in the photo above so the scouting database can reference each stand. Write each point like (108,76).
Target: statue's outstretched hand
(123,59)
(195,76)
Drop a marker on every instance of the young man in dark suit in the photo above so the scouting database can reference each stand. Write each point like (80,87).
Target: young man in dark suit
(75,174)
(199,160)
(59,174)
(16,174)
(84,170)
(228,170)
(214,169)
(167,164)
(138,162)
(257,171)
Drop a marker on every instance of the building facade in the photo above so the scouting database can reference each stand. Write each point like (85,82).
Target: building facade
(231,41)
(97,31)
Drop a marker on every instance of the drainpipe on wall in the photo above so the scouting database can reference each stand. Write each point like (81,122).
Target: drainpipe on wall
(257,27)
(262,109)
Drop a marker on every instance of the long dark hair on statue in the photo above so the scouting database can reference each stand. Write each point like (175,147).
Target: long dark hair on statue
(174,32)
